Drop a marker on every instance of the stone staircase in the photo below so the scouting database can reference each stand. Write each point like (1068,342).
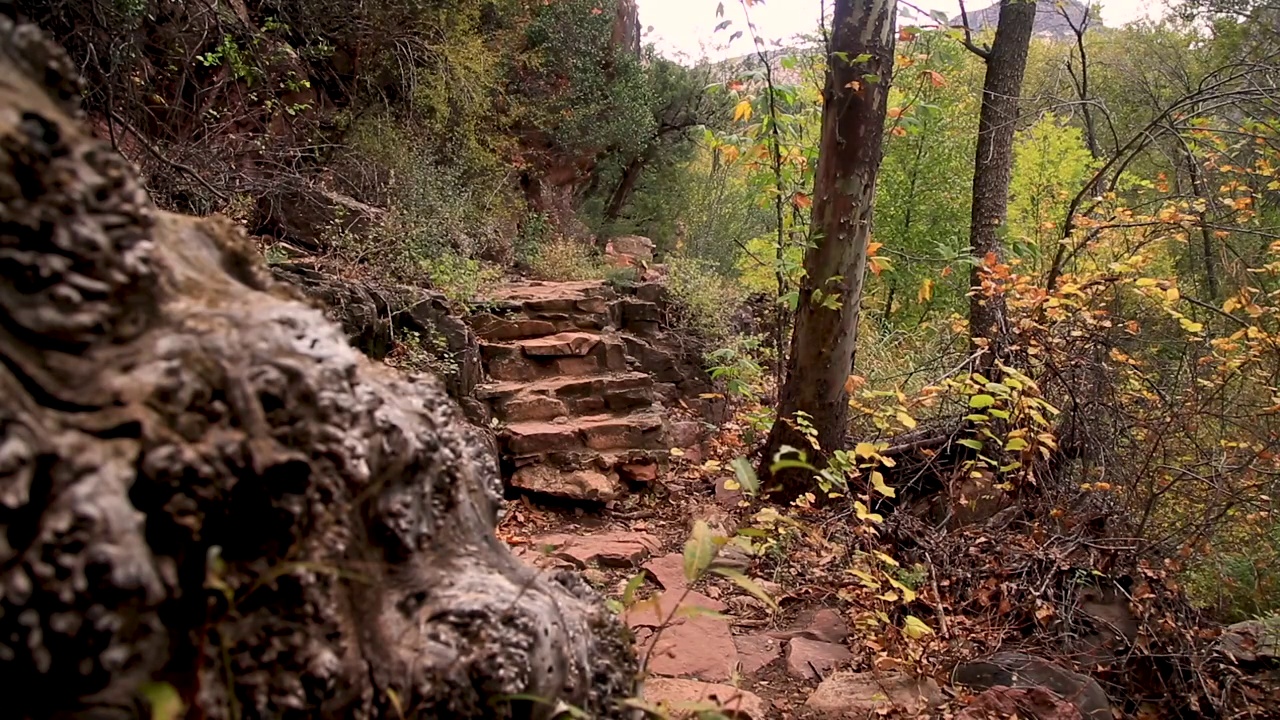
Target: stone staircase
(588,396)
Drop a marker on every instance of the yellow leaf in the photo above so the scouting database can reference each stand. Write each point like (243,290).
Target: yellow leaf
(925,293)
(1190,325)
(907,421)
(1145,282)
(1230,305)
(867,579)
(908,595)
(877,482)
(915,628)
(885,558)
(865,449)
(1172,294)
(742,111)
(864,514)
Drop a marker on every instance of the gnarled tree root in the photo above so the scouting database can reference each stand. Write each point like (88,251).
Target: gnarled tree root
(204,488)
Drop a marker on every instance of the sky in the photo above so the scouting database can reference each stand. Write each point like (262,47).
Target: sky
(685,26)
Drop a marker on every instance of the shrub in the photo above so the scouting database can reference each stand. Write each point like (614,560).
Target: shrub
(705,301)
(565,259)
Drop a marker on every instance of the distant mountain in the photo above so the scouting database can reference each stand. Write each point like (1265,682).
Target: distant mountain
(1050,22)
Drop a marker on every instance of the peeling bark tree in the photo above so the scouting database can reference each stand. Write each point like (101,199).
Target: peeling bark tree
(860,63)
(202,484)
(1006,61)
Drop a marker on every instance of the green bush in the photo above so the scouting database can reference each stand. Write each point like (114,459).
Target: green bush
(705,301)
(565,259)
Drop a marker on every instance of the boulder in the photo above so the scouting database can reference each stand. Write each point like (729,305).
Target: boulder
(682,698)
(1252,641)
(825,625)
(1017,670)
(668,571)
(870,694)
(309,215)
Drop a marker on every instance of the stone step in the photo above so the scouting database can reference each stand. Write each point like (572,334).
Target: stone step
(567,396)
(569,354)
(518,327)
(632,465)
(641,431)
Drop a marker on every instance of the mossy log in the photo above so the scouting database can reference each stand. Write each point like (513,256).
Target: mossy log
(205,489)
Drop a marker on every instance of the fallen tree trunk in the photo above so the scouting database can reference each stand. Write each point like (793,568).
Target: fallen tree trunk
(204,488)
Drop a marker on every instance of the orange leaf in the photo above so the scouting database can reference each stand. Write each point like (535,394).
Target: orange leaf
(898,131)
(895,112)
(906,35)
(946,271)
(801,201)
(872,247)
(853,382)
(936,78)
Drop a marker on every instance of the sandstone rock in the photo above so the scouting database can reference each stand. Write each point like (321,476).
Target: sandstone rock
(309,215)
(527,438)
(668,571)
(756,652)
(492,327)
(560,345)
(862,695)
(1251,641)
(685,434)
(826,625)
(693,643)
(686,698)
(1001,703)
(1017,670)
(533,407)
(615,549)
(812,659)
(639,472)
(726,497)
(586,485)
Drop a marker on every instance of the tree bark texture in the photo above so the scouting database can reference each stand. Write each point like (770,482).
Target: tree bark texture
(860,64)
(992,168)
(203,485)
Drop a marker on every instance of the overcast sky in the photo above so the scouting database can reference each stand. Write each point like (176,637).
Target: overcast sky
(685,26)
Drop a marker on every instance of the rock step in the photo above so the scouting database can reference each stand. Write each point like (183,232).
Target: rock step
(566,354)
(554,397)
(642,431)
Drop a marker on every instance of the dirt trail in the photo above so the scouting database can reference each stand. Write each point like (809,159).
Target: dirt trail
(601,430)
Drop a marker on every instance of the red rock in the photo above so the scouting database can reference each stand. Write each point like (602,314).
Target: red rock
(692,644)
(813,659)
(528,438)
(618,549)
(560,345)
(756,652)
(825,625)
(1000,703)
(668,571)
(726,497)
(570,484)
(533,407)
(871,694)
(686,698)
(639,472)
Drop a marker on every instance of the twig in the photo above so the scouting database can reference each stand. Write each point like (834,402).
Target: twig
(937,608)
(171,163)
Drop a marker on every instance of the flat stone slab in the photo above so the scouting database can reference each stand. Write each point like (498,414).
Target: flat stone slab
(757,652)
(565,344)
(668,571)
(682,698)
(813,659)
(692,643)
(872,694)
(615,549)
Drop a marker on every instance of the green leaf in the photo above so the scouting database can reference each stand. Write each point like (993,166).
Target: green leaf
(746,475)
(971,443)
(997,388)
(699,551)
(981,401)
(747,584)
(163,699)
(629,593)
(1015,444)
(977,417)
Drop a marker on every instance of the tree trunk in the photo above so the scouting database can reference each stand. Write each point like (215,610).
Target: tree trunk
(622,191)
(993,165)
(203,485)
(826,321)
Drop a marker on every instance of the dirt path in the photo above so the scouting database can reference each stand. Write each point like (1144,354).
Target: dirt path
(602,428)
